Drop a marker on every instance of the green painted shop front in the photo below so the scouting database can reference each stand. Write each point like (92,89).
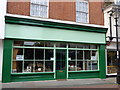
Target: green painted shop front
(46,50)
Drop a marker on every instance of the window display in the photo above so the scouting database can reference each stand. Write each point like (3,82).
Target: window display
(111,62)
(83,60)
(32,56)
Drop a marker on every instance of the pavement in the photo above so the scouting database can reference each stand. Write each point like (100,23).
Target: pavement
(70,83)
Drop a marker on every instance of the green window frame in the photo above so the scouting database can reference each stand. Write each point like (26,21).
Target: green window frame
(92,61)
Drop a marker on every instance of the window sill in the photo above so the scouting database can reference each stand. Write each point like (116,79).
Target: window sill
(83,71)
(32,73)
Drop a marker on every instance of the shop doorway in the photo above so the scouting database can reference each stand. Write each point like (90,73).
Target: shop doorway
(61,67)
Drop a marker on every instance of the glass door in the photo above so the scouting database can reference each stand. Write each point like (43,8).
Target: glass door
(61,67)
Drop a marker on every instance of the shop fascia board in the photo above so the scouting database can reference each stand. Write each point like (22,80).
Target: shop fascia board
(28,20)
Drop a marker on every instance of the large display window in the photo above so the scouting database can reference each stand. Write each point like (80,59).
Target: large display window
(34,56)
(111,62)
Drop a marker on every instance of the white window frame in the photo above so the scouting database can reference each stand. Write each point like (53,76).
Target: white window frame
(87,12)
(39,3)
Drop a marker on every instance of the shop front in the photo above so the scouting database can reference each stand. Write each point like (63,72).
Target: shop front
(37,49)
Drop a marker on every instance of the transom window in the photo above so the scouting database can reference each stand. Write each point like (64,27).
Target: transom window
(40,56)
(39,8)
(82,11)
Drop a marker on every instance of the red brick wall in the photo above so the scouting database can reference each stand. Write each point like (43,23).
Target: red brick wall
(96,15)
(21,8)
(62,11)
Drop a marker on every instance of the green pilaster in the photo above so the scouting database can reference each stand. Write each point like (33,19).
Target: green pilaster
(102,62)
(7,55)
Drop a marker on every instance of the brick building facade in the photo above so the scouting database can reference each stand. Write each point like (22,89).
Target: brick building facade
(61,11)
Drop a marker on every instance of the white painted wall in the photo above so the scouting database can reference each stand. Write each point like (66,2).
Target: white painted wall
(3,5)
(2,19)
(1,58)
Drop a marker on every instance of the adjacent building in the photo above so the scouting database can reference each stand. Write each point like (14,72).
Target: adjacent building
(110,13)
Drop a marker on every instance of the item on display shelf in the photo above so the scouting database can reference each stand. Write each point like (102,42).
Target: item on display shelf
(29,69)
(72,67)
(19,57)
(14,70)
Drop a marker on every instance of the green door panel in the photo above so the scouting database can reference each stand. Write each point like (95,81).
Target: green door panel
(61,72)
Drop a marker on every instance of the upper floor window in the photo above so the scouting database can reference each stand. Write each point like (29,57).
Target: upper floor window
(117,2)
(39,8)
(82,11)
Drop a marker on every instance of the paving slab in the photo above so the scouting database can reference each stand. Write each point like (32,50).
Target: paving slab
(70,83)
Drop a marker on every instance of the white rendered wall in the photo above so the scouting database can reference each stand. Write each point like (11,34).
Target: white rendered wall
(3,4)
(2,19)
(1,58)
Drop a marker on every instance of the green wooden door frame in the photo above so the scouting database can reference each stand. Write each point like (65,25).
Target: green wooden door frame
(61,73)
(102,62)
(7,55)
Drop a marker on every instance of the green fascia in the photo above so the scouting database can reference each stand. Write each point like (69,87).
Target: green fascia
(25,21)
(7,55)
(102,62)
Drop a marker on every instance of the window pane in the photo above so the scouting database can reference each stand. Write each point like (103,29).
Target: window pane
(39,44)
(79,65)
(39,54)
(18,43)
(93,46)
(28,66)
(18,54)
(49,66)
(72,54)
(49,44)
(17,66)
(79,54)
(48,54)
(86,46)
(39,8)
(88,65)
(80,45)
(39,66)
(87,54)
(64,45)
(29,53)
(72,66)
(94,65)
(94,55)
(72,45)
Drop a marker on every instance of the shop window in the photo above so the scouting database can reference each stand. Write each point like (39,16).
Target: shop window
(111,62)
(33,56)
(83,60)
(32,59)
